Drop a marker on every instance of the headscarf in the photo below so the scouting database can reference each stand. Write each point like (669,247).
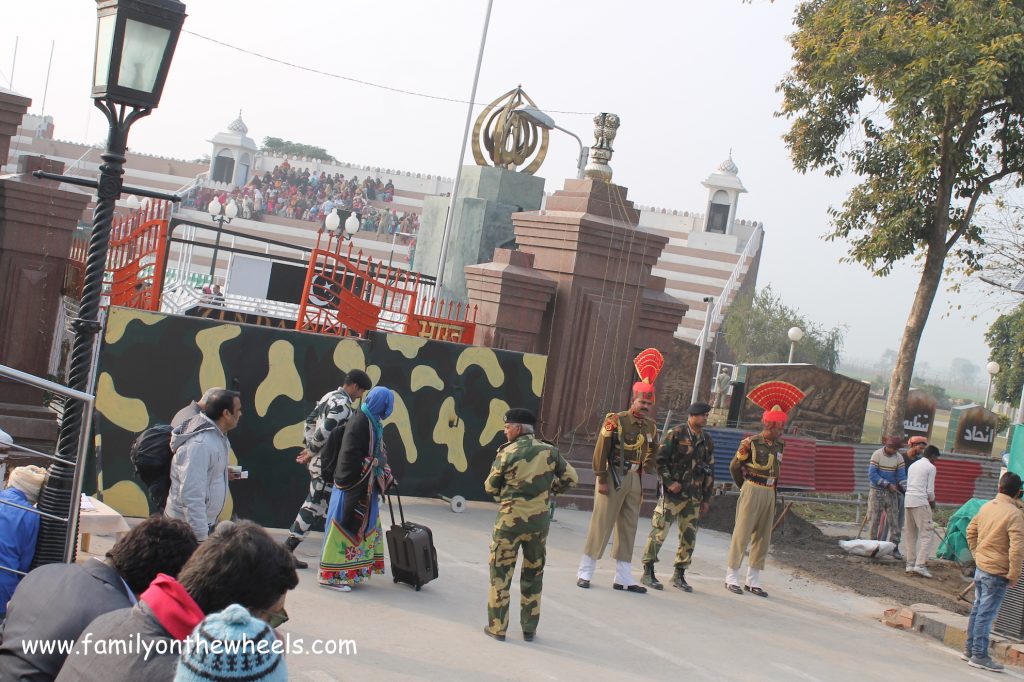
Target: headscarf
(29,480)
(378,403)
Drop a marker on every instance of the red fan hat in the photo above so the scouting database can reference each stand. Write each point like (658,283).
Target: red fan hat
(648,365)
(776,398)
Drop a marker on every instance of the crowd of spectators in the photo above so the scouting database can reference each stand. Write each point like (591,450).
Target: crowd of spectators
(303,195)
(173,599)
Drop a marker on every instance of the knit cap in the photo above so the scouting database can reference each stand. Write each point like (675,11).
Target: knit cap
(29,480)
(232,645)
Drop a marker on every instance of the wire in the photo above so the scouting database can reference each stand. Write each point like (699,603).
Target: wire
(358,81)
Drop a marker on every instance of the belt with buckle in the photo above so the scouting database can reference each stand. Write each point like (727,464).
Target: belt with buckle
(763,481)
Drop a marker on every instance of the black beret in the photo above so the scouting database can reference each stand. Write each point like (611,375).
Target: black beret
(698,409)
(518,415)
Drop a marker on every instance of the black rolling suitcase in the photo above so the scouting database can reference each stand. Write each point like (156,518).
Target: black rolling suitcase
(411,547)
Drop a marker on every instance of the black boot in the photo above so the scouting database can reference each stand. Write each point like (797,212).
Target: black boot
(679,580)
(291,543)
(649,578)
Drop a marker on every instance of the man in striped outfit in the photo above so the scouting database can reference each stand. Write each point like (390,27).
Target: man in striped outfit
(888,477)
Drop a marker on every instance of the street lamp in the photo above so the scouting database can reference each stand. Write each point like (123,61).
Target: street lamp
(220,214)
(333,221)
(795,334)
(993,369)
(538,117)
(135,41)
(708,310)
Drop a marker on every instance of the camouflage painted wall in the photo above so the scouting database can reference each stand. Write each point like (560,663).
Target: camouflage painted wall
(441,438)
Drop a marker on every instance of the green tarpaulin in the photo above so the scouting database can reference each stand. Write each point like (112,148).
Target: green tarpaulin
(954,546)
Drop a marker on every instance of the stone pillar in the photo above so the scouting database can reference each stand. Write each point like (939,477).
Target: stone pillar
(481,222)
(37,222)
(12,110)
(588,241)
(511,298)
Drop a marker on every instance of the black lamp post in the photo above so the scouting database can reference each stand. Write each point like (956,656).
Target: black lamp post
(135,41)
(220,214)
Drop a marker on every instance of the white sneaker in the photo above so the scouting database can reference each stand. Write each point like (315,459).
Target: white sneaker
(909,569)
(923,572)
(336,588)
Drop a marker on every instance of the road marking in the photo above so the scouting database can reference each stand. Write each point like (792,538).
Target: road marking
(796,673)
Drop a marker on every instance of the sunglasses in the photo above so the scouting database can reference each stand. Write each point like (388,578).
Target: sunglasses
(274,619)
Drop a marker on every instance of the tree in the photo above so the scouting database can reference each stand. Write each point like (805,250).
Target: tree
(756,331)
(1000,262)
(1006,344)
(887,361)
(923,100)
(276,145)
(964,372)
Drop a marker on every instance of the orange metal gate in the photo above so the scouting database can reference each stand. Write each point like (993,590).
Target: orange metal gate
(347,294)
(135,262)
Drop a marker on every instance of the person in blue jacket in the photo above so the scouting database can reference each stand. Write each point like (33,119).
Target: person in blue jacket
(888,477)
(19,528)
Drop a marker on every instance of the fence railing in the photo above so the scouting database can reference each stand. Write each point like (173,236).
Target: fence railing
(76,495)
(722,302)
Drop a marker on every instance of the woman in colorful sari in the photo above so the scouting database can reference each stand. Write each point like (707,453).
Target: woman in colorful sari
(354,543)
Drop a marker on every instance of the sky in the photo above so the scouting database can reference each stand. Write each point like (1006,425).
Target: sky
(690,79)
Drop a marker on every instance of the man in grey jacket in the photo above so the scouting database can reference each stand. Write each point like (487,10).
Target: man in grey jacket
(193,408)
(199,469)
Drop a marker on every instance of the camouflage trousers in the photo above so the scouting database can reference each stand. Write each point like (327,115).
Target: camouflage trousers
(686,513)
(505,548)
(889,502)
(315,507)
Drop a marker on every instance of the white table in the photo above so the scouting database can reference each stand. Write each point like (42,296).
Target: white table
(102,520)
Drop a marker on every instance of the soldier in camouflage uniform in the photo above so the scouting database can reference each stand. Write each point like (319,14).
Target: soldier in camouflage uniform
(331,412)
(524,475)
(686,466)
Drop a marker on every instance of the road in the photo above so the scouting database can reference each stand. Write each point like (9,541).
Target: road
(803,631)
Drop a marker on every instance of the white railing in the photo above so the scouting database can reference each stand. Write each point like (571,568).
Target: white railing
(721,304)
(80,159)
(182,297)
(183,191)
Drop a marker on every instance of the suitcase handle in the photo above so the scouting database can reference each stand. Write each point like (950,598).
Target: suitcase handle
(401,512)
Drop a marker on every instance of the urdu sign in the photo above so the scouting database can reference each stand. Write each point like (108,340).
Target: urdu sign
(919,414)
(975,431)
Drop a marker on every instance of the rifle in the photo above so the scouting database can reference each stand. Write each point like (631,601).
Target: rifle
(613,459)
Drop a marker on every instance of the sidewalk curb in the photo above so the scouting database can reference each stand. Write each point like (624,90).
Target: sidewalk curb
(950,629)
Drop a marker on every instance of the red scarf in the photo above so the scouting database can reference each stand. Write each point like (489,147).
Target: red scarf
(172,606)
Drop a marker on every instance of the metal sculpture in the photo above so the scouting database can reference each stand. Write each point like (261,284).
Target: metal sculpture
(509,138)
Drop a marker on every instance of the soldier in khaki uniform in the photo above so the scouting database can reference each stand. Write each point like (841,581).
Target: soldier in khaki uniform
(524,475)
(755,469)
(686,466)
(624,448)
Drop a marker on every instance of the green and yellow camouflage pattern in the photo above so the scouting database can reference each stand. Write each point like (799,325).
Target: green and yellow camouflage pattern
(504,550)
(685,513)
(525,473)
(441,438)
(688,459)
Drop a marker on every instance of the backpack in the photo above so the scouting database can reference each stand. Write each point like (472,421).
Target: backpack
(151,456)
